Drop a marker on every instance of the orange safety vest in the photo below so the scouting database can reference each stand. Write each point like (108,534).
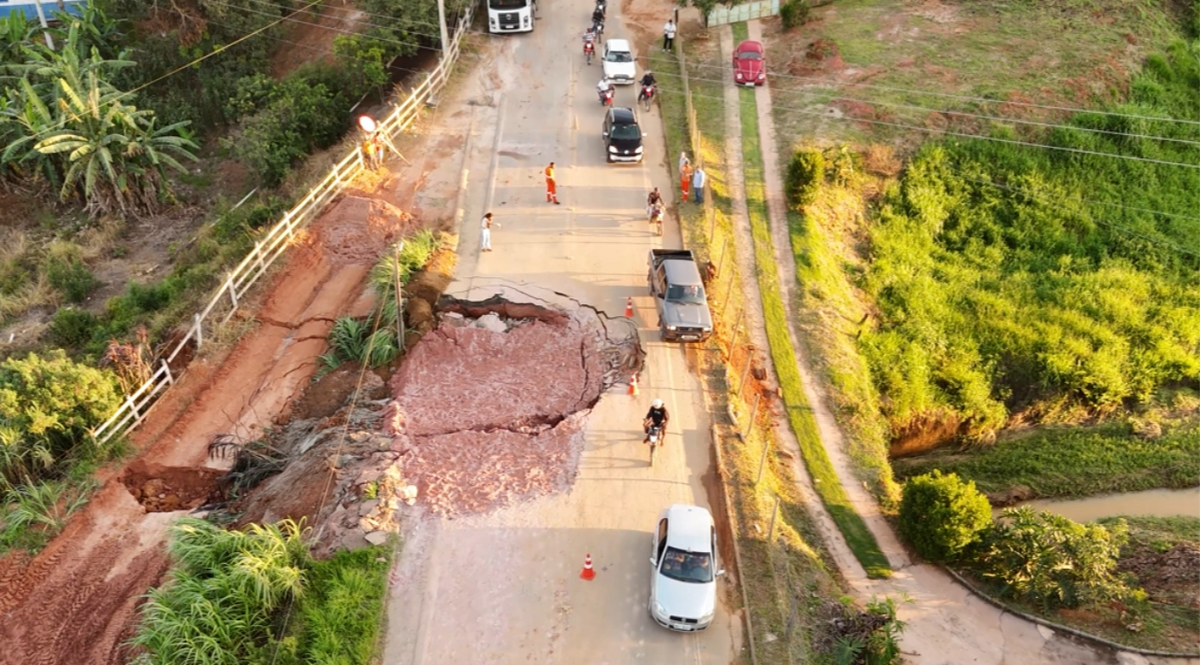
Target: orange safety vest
(550,173)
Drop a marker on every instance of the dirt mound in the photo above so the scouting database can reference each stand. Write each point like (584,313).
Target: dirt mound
(355,231)
(325,396)
(164,489)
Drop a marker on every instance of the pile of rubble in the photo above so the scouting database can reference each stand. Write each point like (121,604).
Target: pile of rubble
(484,412)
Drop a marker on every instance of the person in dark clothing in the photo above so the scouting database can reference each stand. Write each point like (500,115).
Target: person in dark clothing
(657,415)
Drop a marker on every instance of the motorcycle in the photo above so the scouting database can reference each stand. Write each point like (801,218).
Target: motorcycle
(654,436)
(606,97)
(600,7)
(589,50)
(646,95)
(598,28)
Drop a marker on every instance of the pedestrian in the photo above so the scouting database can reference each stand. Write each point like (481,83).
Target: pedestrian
(551,195)
(684,161)
(698,184)
(685,178)
(369,152)
(486,225)
(669,34)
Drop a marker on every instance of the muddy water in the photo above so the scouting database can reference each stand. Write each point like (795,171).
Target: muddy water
(1157,503)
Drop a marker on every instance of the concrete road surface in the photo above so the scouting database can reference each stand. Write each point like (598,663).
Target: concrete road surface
(505,587)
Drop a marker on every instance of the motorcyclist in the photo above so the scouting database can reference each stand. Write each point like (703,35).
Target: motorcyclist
(605,86)
(657,415)
(598,14)
(648,78)
(589,40)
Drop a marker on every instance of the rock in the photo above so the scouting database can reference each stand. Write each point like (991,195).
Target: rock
(377,537)
(170,503)
(491,321)
(152,488)
(354,540)
(359,437)
(366,507)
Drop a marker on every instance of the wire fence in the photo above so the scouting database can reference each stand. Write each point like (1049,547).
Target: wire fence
(233,290)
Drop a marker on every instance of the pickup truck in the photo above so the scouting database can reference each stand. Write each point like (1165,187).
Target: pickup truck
(675,282)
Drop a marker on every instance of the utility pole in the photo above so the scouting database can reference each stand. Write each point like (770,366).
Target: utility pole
(46,28)
(442,27)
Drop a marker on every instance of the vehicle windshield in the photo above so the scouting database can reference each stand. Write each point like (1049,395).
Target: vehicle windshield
(619,56)
(694,567)
(690,293)
(750,55)
(508,4)
(626,132)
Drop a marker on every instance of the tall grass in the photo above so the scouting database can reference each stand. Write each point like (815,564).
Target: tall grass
(1008,277)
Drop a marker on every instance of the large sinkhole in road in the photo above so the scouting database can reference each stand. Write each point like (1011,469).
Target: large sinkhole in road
(488,408)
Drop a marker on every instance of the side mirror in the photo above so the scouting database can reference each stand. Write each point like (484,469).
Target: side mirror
(644,133)
(721,572)
(652,561)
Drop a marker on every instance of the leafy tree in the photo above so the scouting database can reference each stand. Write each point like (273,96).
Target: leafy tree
(1050,560)
(47,406)
(941,515)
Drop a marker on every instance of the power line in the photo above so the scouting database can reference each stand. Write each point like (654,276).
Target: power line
(349,11)
(966,135)
(985,99)
(215,51)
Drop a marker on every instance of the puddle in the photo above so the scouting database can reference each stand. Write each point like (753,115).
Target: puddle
(1155,503)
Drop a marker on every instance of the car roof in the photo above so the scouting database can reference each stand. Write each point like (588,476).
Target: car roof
(682,273)
(617,44)
(749,45)
(622,114)
(689,527)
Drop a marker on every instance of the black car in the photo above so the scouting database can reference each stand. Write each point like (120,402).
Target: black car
(622,136)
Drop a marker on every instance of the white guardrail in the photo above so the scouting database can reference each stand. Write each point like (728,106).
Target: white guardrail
(268,248)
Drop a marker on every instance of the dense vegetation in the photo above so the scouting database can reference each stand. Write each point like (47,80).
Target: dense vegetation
(230,594)
(1010,278)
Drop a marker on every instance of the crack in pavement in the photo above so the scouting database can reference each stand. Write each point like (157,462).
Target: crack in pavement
(291,326)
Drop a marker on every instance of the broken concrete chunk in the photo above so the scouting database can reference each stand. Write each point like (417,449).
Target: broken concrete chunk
(377,537)
(355,540)
(366,507)
(491,321)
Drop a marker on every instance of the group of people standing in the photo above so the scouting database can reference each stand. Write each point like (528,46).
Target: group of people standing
(691,179)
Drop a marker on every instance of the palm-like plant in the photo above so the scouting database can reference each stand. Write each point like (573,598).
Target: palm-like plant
(81,134)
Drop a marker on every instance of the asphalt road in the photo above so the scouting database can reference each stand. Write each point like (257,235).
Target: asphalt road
(505,587)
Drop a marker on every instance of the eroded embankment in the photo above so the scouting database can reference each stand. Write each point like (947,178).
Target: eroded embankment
(482,413)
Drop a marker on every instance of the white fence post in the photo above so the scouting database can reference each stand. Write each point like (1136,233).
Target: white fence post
(167,371)
(233,291)
(199,331)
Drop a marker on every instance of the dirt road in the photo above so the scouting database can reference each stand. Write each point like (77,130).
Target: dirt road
(504,587)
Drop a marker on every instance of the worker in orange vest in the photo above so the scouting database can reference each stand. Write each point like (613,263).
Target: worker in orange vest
(551,196)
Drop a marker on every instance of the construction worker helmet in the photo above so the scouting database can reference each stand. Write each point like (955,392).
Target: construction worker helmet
(657,404)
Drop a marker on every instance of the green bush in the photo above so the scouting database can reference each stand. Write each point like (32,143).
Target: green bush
(941,515)
(32,515)
(47,406)
(1051,561)
(70,277)
(72,328)
(301,116)
(794,13)
(222,592)
(805,175)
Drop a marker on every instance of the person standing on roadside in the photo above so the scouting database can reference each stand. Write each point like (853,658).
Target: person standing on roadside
(669,34)
(551,194)
(685,176)
(486,225)
(698,184)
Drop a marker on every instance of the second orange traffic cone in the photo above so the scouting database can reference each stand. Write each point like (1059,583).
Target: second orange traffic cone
(629,308)
(633,384)
(587,573)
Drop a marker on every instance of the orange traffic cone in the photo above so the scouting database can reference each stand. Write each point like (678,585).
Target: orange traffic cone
(633,384)
(629,308)
(587,573)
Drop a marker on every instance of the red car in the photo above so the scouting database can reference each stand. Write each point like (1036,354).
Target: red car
(749,66)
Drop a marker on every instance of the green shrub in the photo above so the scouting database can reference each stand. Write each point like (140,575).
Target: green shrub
(34,514)
(1049,560)
(72,328)
(47,406)
(794,13)
(941,515)
(70,277)
(805,175)
(301,116)
(222,592)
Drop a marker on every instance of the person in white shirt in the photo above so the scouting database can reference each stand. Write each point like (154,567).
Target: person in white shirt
(604,86)
(669,34)
(486,225)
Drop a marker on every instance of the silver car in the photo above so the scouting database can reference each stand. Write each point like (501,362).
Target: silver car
(684,565)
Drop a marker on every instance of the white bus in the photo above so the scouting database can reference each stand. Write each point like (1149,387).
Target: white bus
(511,15)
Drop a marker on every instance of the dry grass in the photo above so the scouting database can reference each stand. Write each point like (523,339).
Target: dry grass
(31,294)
